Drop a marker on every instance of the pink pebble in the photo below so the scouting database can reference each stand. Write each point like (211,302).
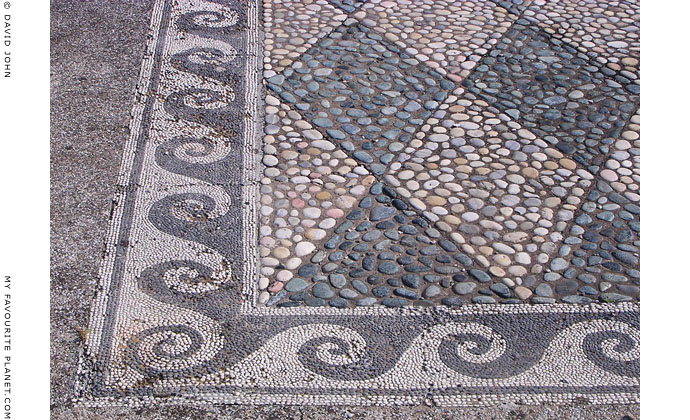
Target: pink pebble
(298,203)
(335,213)
(454,77)
(275,287)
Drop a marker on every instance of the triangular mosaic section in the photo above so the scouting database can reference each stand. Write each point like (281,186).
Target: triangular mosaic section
(308,185)
(599,260)
(291,27)
(383,253)
(446,35)
(606,30)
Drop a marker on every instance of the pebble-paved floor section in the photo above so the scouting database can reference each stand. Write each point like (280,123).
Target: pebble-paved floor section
(424,153)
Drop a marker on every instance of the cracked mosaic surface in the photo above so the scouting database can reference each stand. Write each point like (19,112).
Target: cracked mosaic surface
(354,224)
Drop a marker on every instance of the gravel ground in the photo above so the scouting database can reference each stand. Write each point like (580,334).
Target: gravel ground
(96,48)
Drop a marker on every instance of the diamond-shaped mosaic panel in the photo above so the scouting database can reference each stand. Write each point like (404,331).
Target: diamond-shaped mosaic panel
(502,193)
(362,93)
(556,92)
(600,258)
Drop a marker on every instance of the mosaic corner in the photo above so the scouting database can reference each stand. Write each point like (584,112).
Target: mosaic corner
(183,330)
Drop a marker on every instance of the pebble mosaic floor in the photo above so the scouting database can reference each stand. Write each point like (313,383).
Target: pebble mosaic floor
(376,202)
